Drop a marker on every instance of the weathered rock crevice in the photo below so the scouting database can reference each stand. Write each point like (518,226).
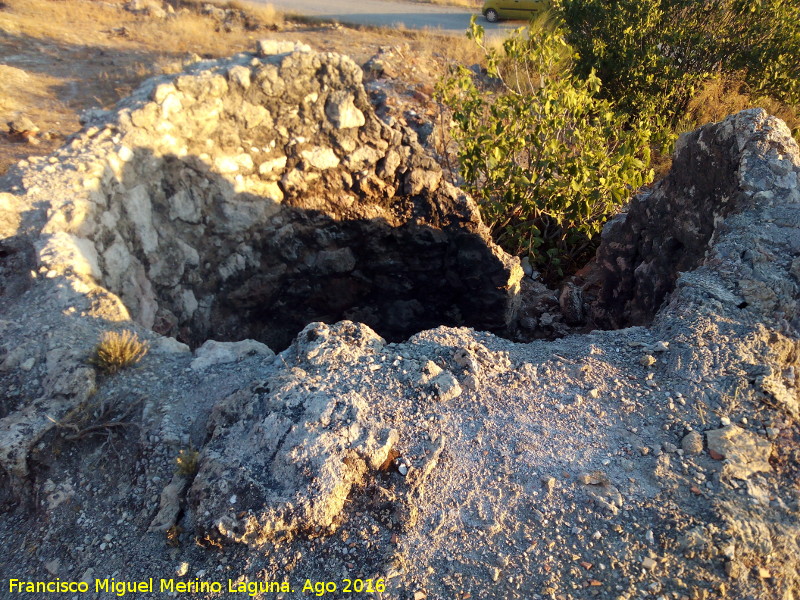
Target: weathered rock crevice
(719,169)
(249,197)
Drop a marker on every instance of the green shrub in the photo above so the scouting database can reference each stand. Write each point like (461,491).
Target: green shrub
(546,159)
(118,350)
(654,55)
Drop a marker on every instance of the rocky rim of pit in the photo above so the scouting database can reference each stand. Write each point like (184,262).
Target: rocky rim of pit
(657,461)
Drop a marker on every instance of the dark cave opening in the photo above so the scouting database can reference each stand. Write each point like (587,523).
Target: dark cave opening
(231,265)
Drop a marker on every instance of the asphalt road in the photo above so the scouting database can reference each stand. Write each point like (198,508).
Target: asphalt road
(412,15)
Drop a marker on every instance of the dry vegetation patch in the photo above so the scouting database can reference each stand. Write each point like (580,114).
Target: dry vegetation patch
(118,350)
(89,54)
(723,96)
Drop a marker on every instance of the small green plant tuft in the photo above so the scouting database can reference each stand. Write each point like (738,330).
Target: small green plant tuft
(188,462)
(118,350)
(174,536)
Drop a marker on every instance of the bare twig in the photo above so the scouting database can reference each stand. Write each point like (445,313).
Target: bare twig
(101,428)
(97,428)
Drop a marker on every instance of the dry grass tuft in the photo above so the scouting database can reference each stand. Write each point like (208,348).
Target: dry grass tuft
(118,350)
(723,96)
(439,51)
(460,51)
(188,33)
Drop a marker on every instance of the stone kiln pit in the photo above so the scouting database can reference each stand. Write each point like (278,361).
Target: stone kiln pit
(303,265)
(249,197)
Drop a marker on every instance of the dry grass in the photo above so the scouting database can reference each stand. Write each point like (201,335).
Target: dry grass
(718,98)
(118,350)
(441,51)
(23,19)
(722,96)
(189,33)
(459,51)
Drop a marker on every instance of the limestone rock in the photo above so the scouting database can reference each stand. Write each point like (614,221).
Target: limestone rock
(21,125)
(291,456)
(782,389)
(321,158)
(319,343)
(214,353)
(10,209)
(604,493)
(272,47)
(745,453)
(380,65)
(240,75)
(67,383)
(342,111)
(571,302)
(446,386)
(430,371)
(69,254)
(168,345)
(170,505)
(692,443)
(272,166)
(719,169)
